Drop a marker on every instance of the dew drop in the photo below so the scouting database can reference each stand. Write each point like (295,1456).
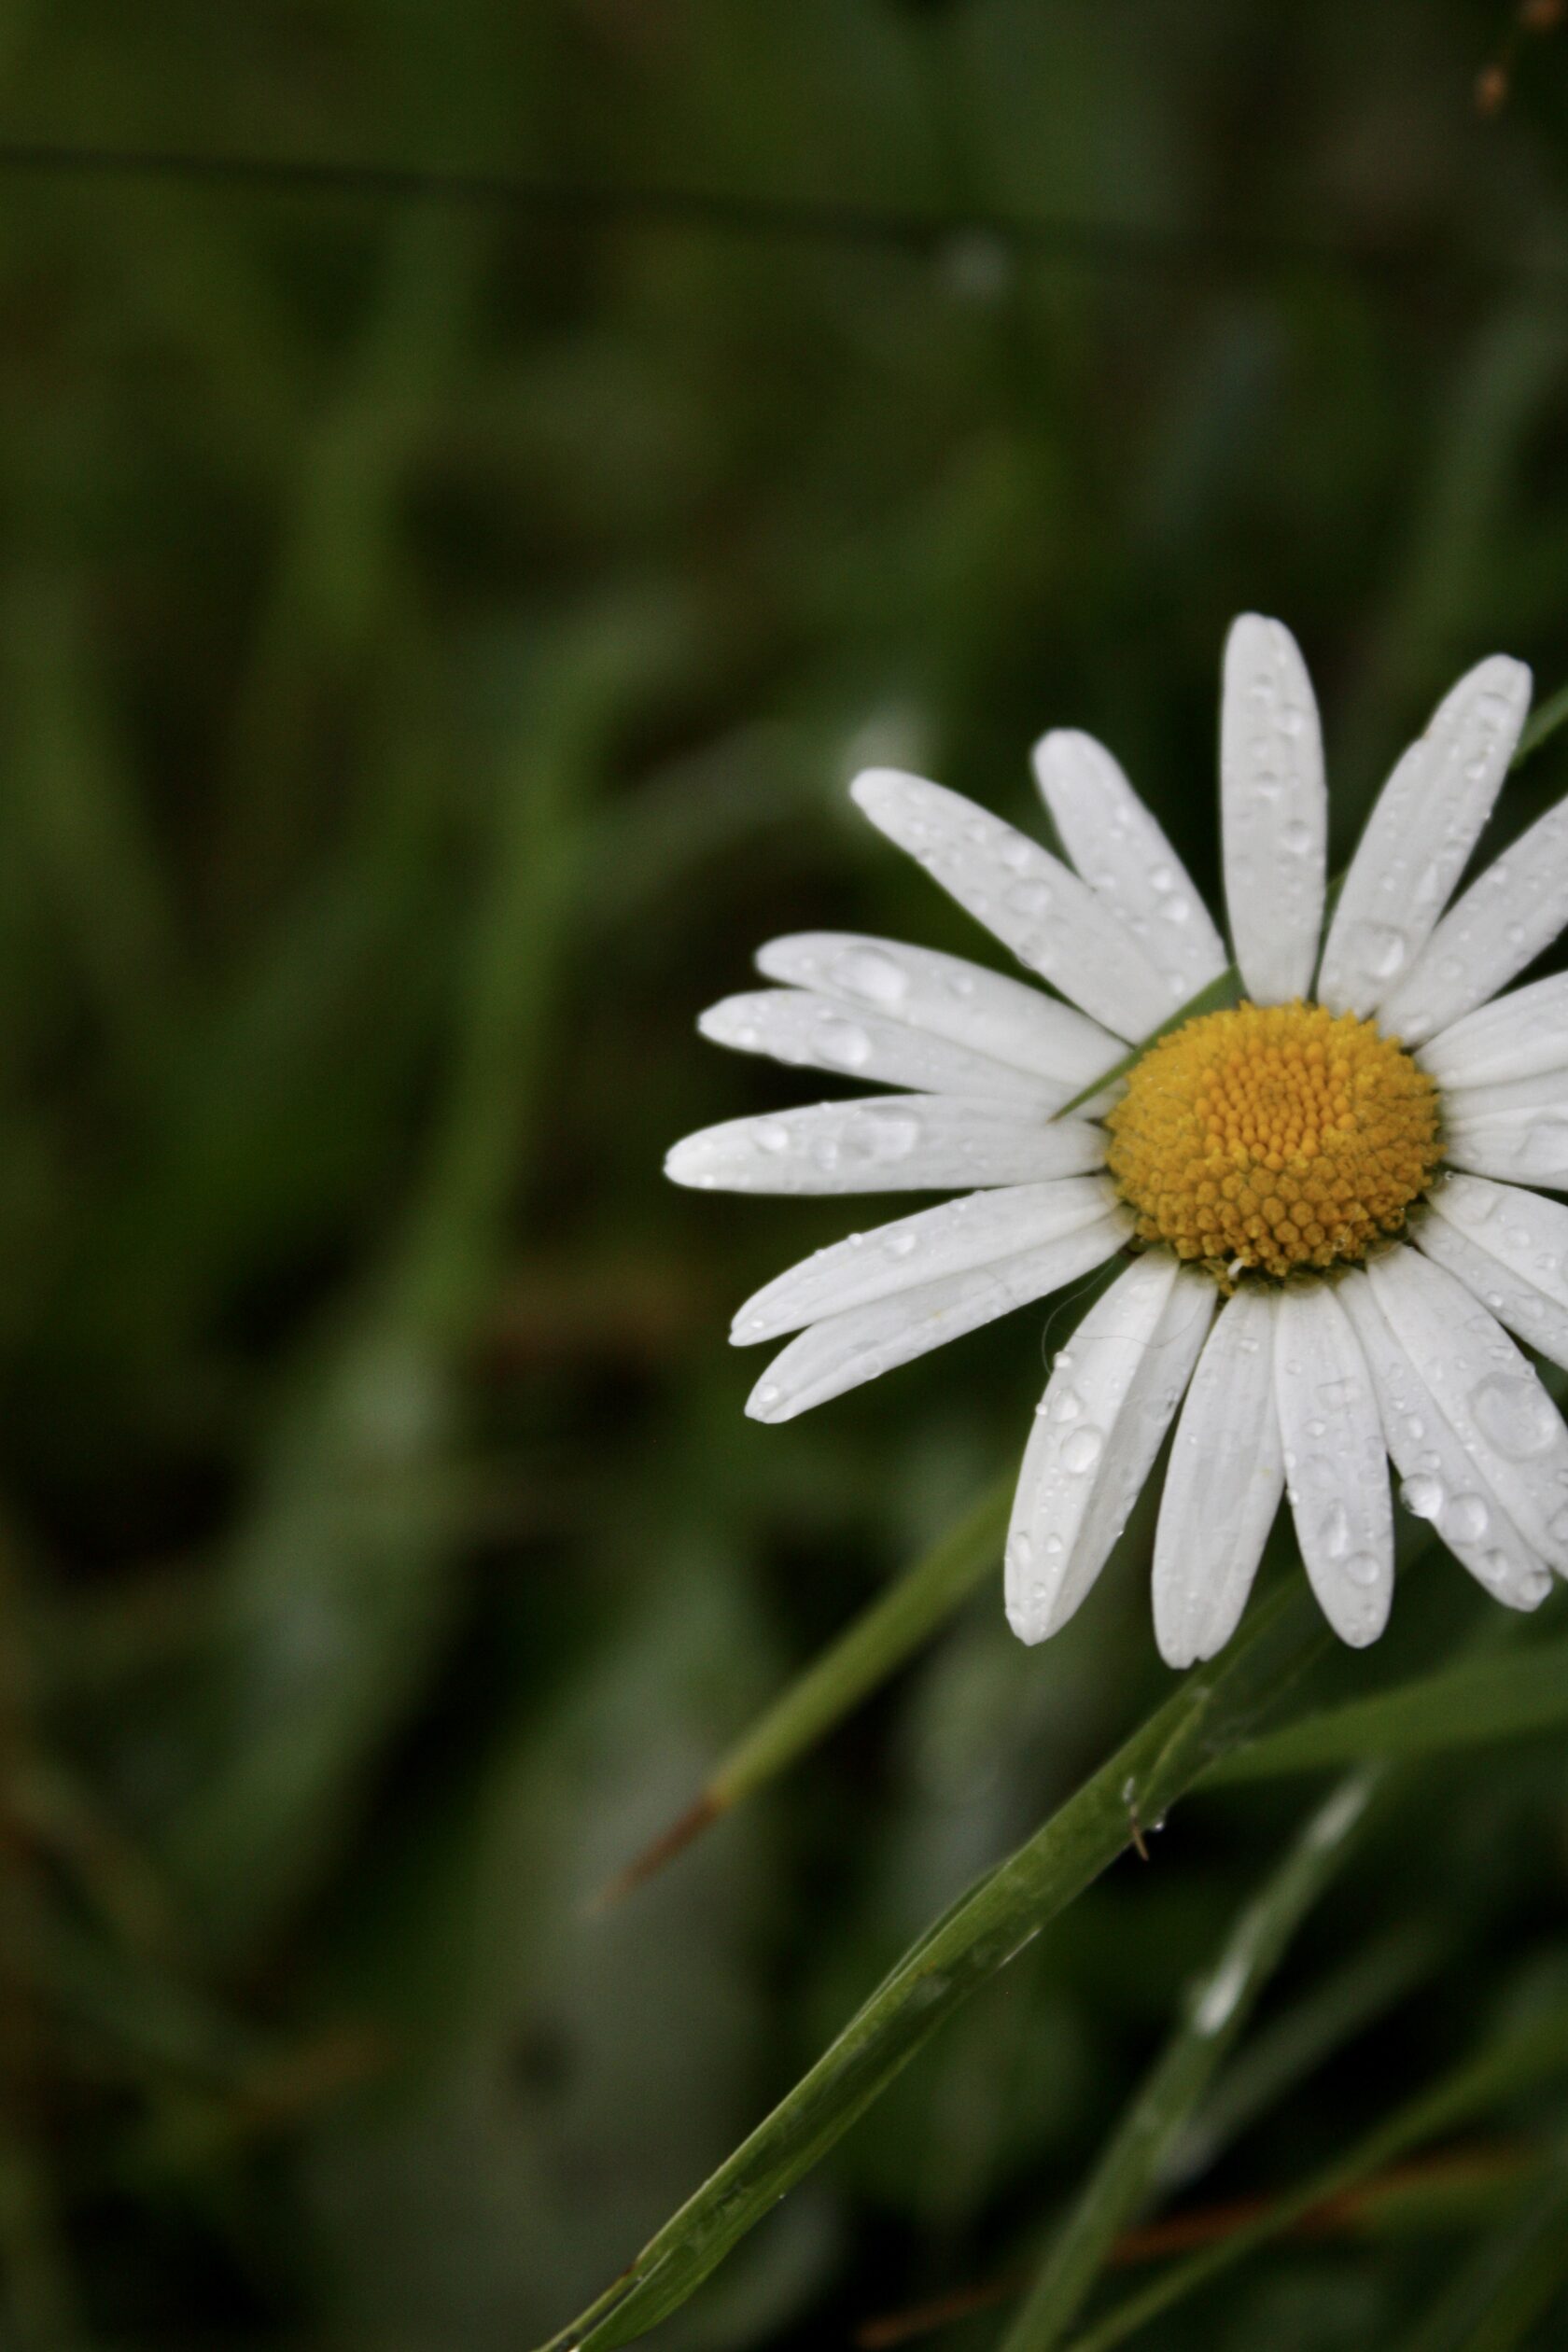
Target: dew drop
(865,972)
(1466,1520)
(1423,1497)
(901,1244)
(1082,1449)
(1361,1568)
(1516,1414)
(883,1135)
(1067,1405)
(844,1044)
(1377,949)
(1334,1531)
(774,1136)
(1030,899)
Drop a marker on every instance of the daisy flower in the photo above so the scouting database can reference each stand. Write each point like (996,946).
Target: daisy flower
(1321,1194)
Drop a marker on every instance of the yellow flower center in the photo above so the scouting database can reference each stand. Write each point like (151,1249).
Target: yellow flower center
(1273,1137)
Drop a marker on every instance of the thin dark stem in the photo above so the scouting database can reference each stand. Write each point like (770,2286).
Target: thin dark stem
(1131,245)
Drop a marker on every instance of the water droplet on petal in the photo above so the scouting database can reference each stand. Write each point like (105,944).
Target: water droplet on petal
(1423,1496)
(865,972)
(1334,1532)
(1377,949)
(1466,1520)
(1516,1414)
(1081,1449)
(844,1044)
(883,1135)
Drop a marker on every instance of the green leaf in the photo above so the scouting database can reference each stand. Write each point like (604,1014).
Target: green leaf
(1216,2010)
(1464,1707)
(1211,1711)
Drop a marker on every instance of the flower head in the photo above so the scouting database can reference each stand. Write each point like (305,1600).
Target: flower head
(1320,1190)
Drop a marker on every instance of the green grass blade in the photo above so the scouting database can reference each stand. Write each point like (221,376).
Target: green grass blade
(1344,2003)
(1549,716)
(871,1647)
(1216,2011)
(1518,2059)
(1211,1710)
(1484,1699)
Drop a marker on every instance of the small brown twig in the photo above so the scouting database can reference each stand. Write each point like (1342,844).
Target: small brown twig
(1209,2225)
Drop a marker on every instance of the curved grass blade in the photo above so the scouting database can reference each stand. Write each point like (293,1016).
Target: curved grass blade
(1344,2004)
(1517,2059)
(1213,1709)
(1216,2010)
(1464,1707)
(872,1648)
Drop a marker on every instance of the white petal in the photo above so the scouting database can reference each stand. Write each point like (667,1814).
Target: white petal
(1038,908)
(845,1350)
(1106,1409)
(1441,1480)
(1510,1247)
(1222,1488)
(1122,854)
(1274,808)
(1506,917)
(1521,1147)
(886,1143)
(1540,1095)
(947,997)
(949,1238)
(1427,819)
(815,1032)
(1336,1465)
(1518,1036)
(1489,1394)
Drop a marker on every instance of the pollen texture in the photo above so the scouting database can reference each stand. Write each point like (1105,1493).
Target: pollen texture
(1273,1137)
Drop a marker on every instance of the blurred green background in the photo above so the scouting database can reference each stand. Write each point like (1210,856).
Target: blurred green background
(436,639)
